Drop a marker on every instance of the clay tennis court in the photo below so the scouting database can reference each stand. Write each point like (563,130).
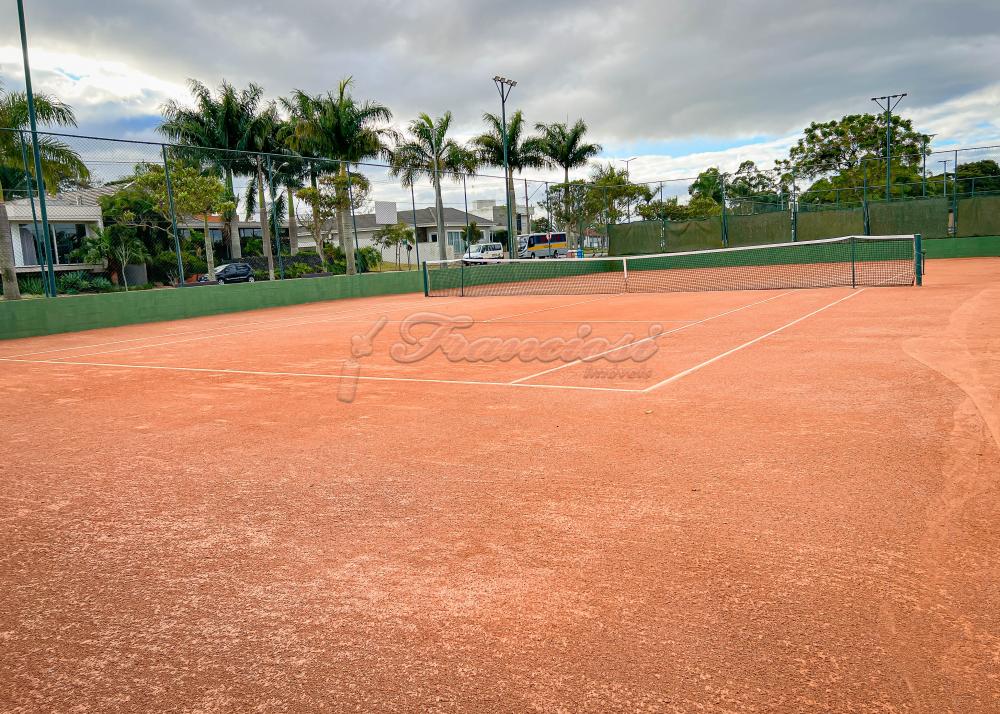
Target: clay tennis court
(790,504)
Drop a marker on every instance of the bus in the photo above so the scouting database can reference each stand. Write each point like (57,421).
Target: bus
(542,245)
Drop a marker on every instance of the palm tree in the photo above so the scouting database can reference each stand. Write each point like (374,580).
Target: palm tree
(221,126)
(337,126)
(563,146)
(522,152)
(429,153)
(264,141)
(299,133)
(59,163)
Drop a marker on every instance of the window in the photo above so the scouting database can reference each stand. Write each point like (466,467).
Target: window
(67,240)
(434,237)
(251,233)
(455,240)
(30,250)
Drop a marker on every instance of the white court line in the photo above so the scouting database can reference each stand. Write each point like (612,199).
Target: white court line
(686,372)
(317,375)
(644,339)
(273,325)
(278,321)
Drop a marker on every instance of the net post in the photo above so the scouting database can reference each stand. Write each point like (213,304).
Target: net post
(918,263)
(426,291)
(854,262)
(625,272)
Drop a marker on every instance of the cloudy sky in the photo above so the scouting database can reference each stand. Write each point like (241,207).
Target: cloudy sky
(681,84)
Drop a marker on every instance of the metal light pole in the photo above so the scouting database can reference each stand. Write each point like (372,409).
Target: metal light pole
(504,87)
(628,200)
(39,179)
(888,103)
(924,159)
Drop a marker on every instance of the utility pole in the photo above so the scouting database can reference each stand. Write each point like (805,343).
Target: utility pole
(628,199)
(504,87)
(888,103)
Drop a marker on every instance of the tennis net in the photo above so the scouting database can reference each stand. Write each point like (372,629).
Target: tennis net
(854,261)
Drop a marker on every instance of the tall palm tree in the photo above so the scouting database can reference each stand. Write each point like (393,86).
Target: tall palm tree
(220,125)
(563,146)
(430,153)
(523,152)
(338,126)
(59,163)
(300,134)
(264,143)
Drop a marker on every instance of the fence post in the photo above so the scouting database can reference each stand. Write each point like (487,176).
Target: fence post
(465,194)
(918,260)
(725,225)
(173,219)
(275,226)
(354,220)
(954,198)
(795,211)
(39,250)
(864,203)
(416,239)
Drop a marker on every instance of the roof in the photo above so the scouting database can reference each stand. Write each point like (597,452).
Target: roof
(83,196)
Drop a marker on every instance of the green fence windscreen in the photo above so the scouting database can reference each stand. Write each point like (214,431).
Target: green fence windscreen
(760,229)
(979,216)
(636,238)
(816,225)
(703,234)
(928,217)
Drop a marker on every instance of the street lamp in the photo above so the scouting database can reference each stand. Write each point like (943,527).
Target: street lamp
(504,86)
(888,103)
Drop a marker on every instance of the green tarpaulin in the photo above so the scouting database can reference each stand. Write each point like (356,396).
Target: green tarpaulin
(761,229)
(815,225)
(979,216)
(928,217)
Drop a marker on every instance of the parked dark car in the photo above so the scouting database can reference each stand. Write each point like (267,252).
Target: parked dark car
(234,273)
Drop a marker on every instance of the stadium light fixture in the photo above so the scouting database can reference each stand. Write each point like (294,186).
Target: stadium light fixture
(888,103)
(504,86)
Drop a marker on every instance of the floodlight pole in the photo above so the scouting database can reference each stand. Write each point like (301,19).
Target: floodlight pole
(628,199)
(504,87)
(888,103)
(39,179)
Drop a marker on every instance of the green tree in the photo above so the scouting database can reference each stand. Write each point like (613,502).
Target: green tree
(833,146)
(708,184)
(523,152)
(331,200)
(60,164)
(217,130)
(659,210)
(429,152)
(196,194)
(117,247)
(541,225)
(564,147)
(396,236)
(979,177)
(471,234)
(612,193)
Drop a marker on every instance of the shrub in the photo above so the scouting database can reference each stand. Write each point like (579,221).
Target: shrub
(72,283)
(100,284)
(31,285)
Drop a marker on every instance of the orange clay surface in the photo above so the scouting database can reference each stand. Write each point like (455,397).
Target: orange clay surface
(792,505)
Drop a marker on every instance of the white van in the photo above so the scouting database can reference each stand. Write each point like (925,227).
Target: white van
(481,253)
